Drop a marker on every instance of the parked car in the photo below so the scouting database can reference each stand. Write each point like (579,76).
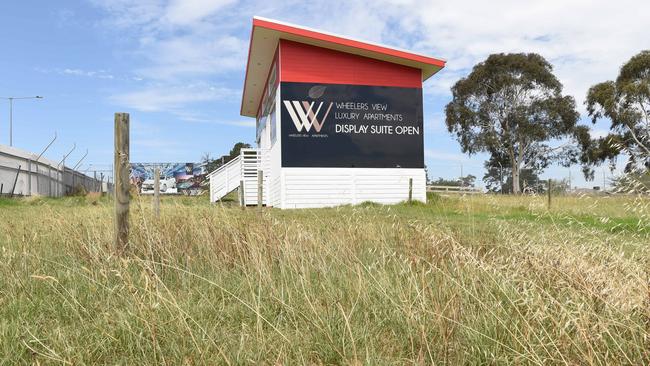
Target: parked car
(165,184)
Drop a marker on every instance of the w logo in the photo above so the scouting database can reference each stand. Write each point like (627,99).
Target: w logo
(303,114)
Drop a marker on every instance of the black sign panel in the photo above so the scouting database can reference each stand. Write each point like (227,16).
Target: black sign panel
(330,125)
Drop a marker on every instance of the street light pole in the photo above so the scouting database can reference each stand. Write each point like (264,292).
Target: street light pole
(11,115)
(11,119)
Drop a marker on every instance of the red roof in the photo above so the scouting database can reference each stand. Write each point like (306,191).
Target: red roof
(266,34)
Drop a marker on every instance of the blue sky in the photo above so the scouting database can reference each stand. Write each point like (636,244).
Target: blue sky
(177,66)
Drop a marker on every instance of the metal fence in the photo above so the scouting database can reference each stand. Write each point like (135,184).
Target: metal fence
(23,173)
(453,189)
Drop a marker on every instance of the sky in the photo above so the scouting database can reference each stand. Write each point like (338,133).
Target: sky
(177,66)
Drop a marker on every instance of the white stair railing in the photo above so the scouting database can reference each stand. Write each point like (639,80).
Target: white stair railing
(254,160)
(244,168)
(225,179)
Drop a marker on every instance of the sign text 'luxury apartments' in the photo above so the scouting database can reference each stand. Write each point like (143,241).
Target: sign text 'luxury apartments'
(351,126)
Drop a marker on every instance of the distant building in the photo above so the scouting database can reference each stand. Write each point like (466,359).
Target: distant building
(339,121)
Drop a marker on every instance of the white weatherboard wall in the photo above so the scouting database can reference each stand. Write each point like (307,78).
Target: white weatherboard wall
(326,187)
(275,159)
(271,160)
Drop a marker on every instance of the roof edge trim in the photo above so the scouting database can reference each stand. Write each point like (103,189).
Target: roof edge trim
(345,41)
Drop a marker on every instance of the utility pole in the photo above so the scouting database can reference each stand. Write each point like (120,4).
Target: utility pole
(462,183)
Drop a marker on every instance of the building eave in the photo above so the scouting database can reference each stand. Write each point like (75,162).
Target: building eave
(266,34)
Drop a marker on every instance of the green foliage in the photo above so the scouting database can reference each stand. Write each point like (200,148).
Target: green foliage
(498,182)
(446,182)
(234,152)
(8,202)
(633,182)
(433,197)
(498,177)
(466,181)
(213,164)
(626,103)
(78,190)
(559,186)
(511,106)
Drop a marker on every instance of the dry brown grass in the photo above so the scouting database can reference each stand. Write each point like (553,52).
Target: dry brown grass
(470,280)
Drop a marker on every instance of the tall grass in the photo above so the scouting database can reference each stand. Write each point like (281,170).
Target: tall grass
(470,280)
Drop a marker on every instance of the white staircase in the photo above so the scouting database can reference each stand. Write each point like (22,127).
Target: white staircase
(242,169)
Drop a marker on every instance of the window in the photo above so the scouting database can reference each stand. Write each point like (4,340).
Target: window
(273,123)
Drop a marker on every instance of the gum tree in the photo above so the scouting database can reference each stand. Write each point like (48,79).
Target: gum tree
(512,105)
(626,103)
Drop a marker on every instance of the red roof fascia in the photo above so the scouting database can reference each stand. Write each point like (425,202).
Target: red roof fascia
(347,42)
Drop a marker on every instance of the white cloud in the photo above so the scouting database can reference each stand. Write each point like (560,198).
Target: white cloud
(435,122)
(177,39)
(242,123)
(598,133)
(193,116)
(176,46)
(182,57)
(99,74)
(445,156)
(129,13)
(586,41)
(187,12)
(165,98)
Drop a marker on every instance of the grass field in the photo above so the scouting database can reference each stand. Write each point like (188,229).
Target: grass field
(465,280)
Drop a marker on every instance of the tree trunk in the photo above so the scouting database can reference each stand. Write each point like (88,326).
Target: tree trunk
(515,179)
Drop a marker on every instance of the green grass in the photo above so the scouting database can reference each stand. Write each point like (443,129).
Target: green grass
(464,280)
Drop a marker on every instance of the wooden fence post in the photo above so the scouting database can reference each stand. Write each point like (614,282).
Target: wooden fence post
(156,192)
(260,188)
(410,190)
(242,199)
(549,194)
(122,185)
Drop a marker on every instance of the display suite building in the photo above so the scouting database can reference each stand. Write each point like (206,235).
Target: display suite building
(338,121)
